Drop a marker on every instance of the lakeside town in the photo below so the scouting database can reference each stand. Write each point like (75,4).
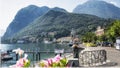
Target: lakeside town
(44,36)
(90,54)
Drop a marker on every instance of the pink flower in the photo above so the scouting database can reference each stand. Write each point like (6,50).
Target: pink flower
(50,61)
(56,58)
(20,62)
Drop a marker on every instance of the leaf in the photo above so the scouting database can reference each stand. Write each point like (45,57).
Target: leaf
(27,64)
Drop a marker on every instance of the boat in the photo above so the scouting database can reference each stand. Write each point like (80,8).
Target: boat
(6,56)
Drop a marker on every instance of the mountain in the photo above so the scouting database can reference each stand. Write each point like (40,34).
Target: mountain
(98,8)
(61,24)
(58,9)
(23,18)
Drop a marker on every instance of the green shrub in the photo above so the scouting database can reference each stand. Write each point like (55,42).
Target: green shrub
(90,44)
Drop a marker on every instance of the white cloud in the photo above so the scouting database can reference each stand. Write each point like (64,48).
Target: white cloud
(114,3)
(1,32)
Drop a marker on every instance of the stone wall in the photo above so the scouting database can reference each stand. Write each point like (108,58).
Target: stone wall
(92,57)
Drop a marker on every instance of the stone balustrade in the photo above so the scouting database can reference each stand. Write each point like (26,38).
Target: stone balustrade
(92,57)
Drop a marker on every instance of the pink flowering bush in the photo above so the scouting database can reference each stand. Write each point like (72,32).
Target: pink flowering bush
(22,62)
(57,61)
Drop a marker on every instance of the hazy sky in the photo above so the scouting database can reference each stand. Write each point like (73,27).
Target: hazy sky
(9,8)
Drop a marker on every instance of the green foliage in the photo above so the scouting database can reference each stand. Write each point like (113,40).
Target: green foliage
(27,64)
(89,37)
(62,63)
(62,33)
(90,44)
(55,64)
(113,31)
(102,38)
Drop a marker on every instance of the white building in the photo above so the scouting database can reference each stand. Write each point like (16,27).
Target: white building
(99,31)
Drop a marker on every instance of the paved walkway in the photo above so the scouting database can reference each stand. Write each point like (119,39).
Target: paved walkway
(113,57)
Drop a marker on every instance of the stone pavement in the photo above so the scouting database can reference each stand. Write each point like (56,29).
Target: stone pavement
(113,57)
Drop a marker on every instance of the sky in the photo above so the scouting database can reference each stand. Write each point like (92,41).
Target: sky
(9,8)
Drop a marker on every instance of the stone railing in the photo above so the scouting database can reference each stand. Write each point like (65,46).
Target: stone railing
(92,57)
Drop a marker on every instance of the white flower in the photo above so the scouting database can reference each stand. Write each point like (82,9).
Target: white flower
(18,51)
(25,58)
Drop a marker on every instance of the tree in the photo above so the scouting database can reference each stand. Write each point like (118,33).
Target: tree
(113,31)
(89,37)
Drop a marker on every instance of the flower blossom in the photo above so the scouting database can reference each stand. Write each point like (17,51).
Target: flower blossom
(56,58)
(21,62)
(18,51)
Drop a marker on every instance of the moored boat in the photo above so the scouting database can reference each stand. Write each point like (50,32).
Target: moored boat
(5,56)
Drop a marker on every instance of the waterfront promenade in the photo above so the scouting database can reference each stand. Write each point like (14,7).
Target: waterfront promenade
(113,57)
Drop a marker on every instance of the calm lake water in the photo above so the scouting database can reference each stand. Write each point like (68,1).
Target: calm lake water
(39,46)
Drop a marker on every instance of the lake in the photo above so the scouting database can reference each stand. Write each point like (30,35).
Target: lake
(38,46)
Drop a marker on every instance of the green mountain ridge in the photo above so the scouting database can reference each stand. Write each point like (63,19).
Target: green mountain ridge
(25,16)
(61,24)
